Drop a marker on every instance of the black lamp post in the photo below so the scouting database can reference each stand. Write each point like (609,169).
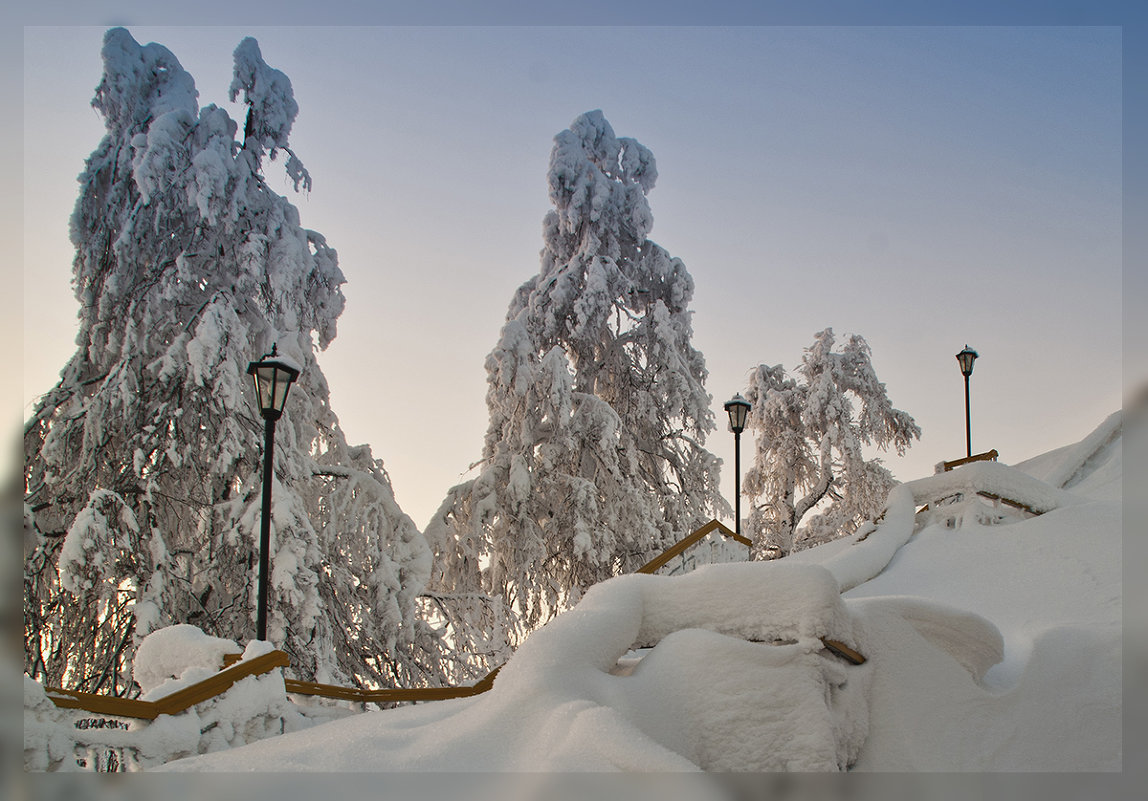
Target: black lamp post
(738,410)
(966,358)
(273,379)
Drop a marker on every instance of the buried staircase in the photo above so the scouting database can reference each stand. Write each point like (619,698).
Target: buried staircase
(946,497)
(970,486)
(984,490)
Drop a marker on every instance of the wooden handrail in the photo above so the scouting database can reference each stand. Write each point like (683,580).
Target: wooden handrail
(987,456)
(681,545)
(390,695)
(844,651)
(172,704)
(103,704)
(1024,507)
(221,682)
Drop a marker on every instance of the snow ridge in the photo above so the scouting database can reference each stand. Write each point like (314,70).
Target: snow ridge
(1081,457)
(874,547)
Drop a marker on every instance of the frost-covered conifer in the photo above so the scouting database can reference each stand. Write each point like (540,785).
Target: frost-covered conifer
(143,464)
(809,437)
(594,459)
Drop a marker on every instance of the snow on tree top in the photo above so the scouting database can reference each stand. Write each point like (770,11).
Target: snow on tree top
(268,94)
(141,83)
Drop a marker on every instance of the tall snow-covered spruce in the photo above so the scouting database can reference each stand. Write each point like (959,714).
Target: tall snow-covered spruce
(142,466)
(809,438)
(594,458)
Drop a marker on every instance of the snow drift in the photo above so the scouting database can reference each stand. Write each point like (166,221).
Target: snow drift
(989,648)
(733,676)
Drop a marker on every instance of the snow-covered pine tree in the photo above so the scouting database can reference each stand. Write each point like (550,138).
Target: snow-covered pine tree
(808,453)
(142,466)
(594,459)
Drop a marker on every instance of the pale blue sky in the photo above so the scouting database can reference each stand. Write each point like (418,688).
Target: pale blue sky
(921,186)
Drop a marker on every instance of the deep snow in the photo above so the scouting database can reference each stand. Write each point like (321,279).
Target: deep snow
(990,648)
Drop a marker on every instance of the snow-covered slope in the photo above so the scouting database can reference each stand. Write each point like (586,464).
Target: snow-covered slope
(989,648)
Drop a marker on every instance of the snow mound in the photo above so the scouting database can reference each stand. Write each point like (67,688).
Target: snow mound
(176,656)
(760,602)
(736,678)
(973,642)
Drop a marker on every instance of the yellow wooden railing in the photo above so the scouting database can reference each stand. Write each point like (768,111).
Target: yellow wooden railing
(682,545)
(390,695)
(987,456)
(177,701)
(235,668)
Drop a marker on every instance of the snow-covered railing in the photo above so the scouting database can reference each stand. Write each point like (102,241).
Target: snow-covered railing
(235,670)
(71,730)
(874,544)
(992,480)
(175,703)
(389,695)
(178,716)
(987,456)
(405,695)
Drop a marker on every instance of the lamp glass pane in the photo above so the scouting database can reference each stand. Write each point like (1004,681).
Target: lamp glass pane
(282,384)
(965,358)
(265,385)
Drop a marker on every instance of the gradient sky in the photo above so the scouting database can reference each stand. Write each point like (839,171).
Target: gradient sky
(925,187)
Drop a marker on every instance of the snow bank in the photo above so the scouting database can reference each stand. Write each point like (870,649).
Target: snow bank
(47,744)
(970,640)
(928,713)
(736,678)
(1052,587)
(989,649)
(1082,457)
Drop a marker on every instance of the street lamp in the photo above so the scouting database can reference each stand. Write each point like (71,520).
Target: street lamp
(966,358)
(738,410)
(273,378)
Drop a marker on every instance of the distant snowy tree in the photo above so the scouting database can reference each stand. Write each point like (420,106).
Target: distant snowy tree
(594,459)
(810,430)
(142,466)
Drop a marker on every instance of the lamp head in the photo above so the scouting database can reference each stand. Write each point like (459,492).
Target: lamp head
(273,378)
(966,358)
(738,410)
